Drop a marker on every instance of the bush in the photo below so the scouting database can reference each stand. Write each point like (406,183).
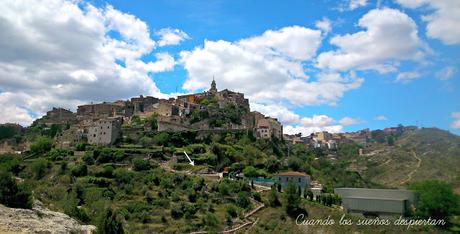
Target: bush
(109,224)
(141,165)
(435,199)
(41,145)
(273,199)
(58,154)
(103,155)
(81,146)
(257,197)
(13,195)
(81,170)
(231,210)
(88,158)
(292,199)
(211,221)
(39,168)
(10,163)
(242,200)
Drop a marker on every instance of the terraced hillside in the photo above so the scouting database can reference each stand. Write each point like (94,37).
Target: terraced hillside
(427,153)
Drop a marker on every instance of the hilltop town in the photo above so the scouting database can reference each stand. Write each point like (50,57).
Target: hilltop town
(206,112)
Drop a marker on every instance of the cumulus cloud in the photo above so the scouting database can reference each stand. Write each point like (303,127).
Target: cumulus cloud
(353,4)
(407,77)
(381,118)
(442,22)
(267,68)
(324,25)
(378,47)
(446,73)
(456,122)
(294,123)
(62,53)
(171,36)
(346,121)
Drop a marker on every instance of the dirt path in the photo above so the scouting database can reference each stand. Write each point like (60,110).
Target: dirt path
(409,176)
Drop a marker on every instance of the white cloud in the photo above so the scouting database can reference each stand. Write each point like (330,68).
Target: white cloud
(324,25)
(446,73)
(379,47)
(381,118)
(407,77)
(171,36)
(443,22)
(294,123)
(456,122)
(353,4)
(63,53)
(267,68)
(350,121)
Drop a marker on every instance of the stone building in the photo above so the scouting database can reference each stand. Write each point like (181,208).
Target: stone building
(101,110)
(104,131)
(268,127)
(300,179)
(142,104)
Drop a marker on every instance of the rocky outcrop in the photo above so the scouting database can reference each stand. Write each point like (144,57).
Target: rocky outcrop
(39,220)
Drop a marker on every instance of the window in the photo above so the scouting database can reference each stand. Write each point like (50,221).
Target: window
(299,180)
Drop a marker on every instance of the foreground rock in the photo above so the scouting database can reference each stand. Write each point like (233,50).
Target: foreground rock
(39,220)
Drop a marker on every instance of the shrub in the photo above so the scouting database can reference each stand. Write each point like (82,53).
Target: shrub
(141,165)
(10,163)
(103,155)
(123,175)
(81,146)
(109,224)
(13,195)
(176,212)
(435,199)
(81,170)
(292,199)
(88,158)
(231,210)
(257,197)
(211,221)
(41,145)
(273,199)
(242,200)
(58,154)
(39,168)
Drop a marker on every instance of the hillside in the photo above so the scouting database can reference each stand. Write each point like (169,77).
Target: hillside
(423,154)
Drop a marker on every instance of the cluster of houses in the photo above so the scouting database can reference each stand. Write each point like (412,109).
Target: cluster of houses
(326,140)
(101,123)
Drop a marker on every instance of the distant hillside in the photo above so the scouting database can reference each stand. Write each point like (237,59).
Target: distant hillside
(427,153)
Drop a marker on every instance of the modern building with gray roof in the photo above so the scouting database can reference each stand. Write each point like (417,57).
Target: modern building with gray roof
(376,202)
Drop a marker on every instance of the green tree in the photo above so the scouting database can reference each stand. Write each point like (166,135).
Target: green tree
(39,168)
(152,120)
(141,165)
(211,221)
(13,195)
(109,224)
(390,140)
(41,145)
(273,199)
(435,199)
(242,200)
(292,199)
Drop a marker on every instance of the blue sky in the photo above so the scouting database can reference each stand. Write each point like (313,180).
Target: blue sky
(364,93)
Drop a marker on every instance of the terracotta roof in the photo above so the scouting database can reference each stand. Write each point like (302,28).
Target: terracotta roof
(292,173)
